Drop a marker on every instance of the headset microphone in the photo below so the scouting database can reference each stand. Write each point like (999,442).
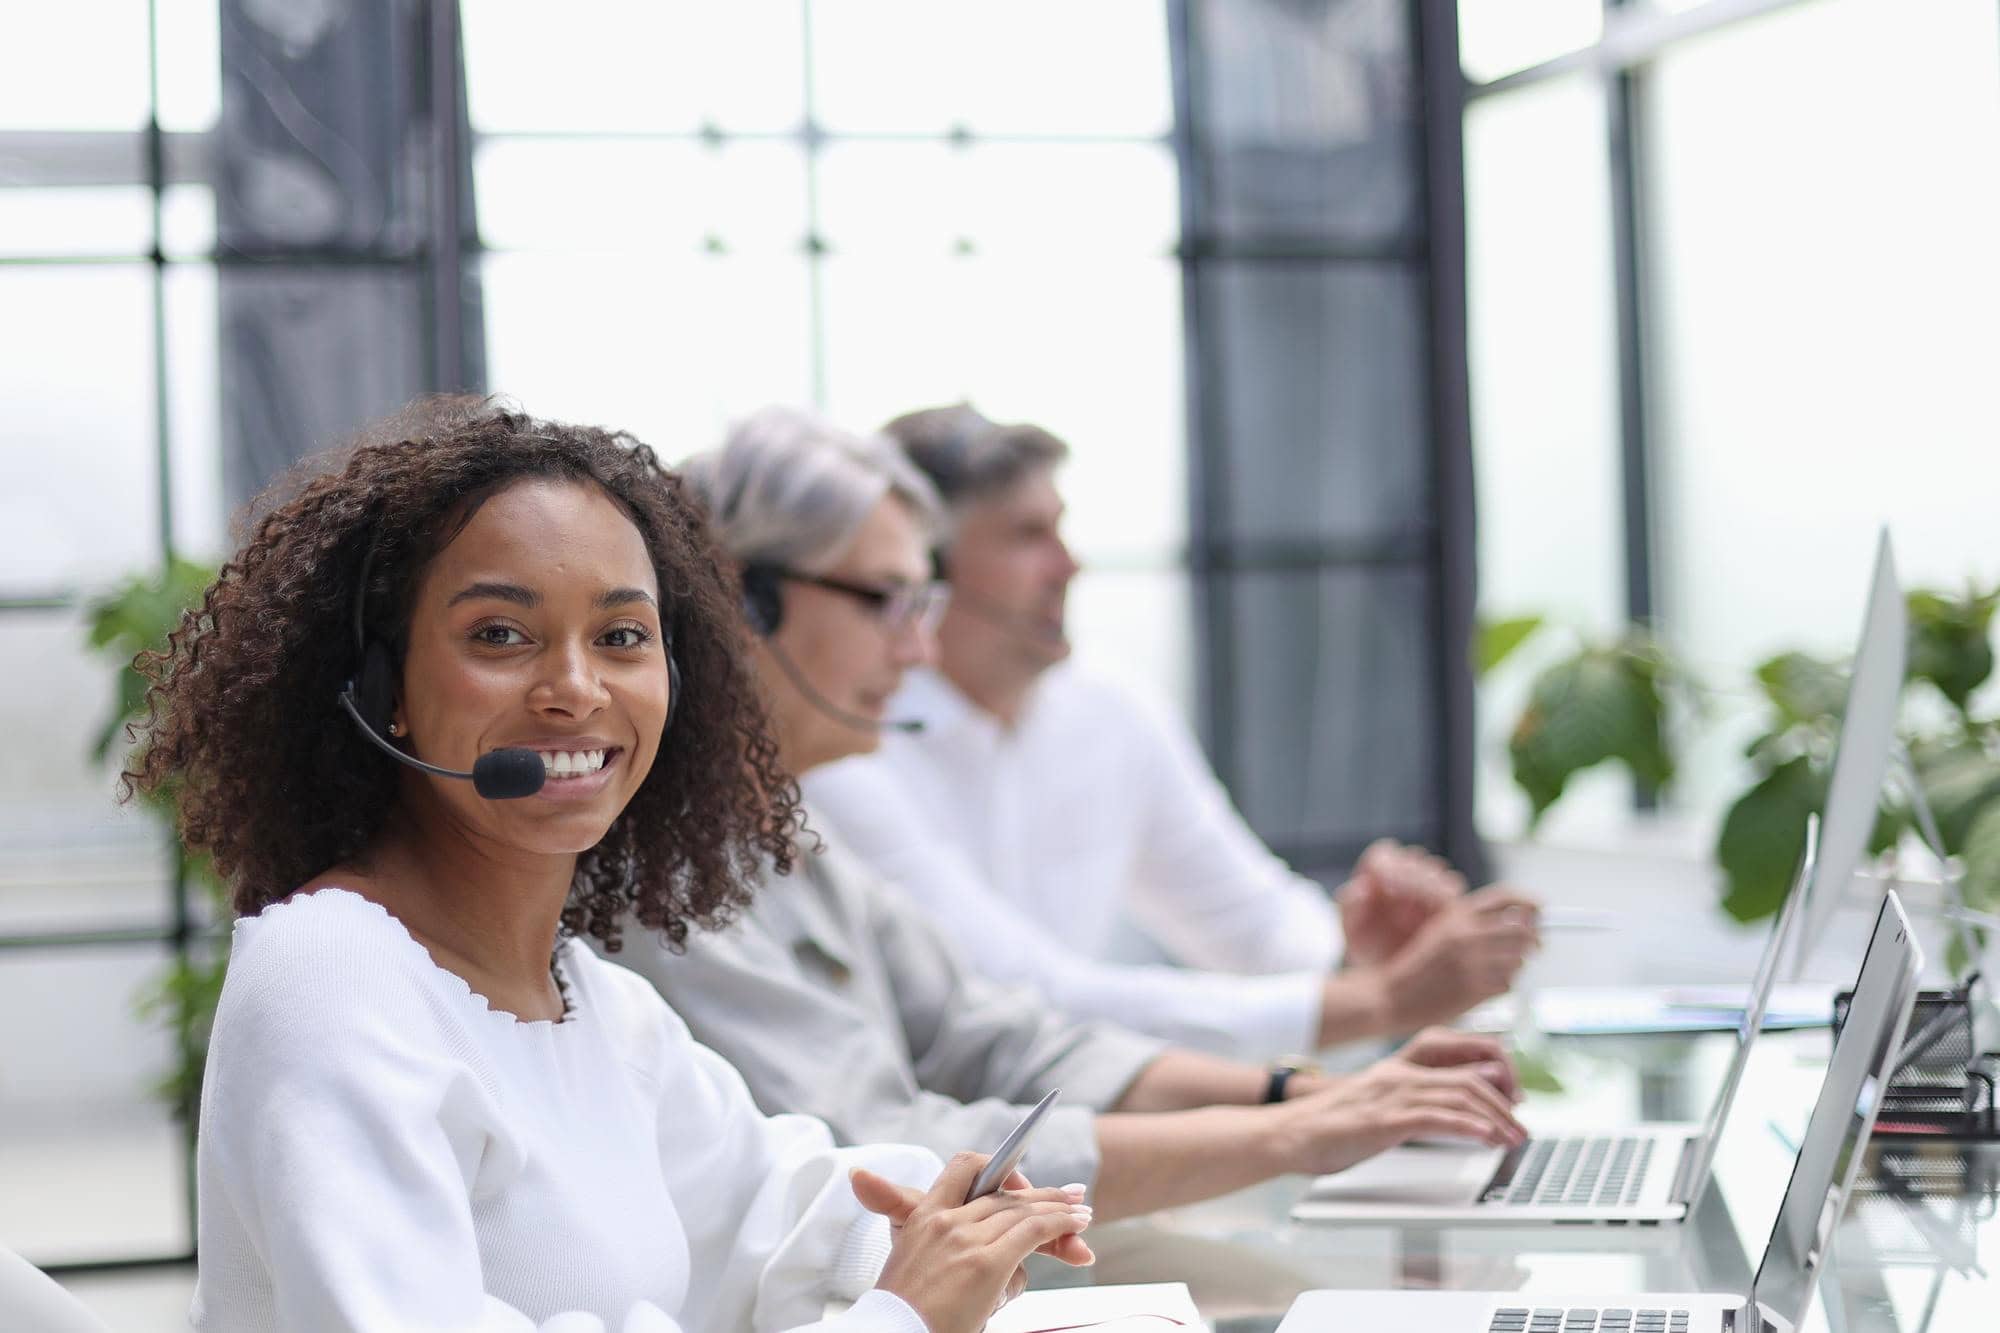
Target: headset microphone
(859,722)
(499,775)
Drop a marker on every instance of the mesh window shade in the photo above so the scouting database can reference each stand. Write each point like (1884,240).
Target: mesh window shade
(1333,503)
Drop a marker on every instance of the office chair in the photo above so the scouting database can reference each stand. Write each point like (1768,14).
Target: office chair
(30,1298)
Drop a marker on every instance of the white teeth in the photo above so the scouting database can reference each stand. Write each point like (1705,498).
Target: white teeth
(571,763)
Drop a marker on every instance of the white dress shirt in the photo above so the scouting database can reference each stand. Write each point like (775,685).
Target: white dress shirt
(380,1150)
(1033,848)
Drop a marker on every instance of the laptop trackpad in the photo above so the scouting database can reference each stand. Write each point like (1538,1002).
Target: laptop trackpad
(1414,1173)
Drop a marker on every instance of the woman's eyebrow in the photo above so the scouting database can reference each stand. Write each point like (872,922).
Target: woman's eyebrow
(620,596)
(505,592)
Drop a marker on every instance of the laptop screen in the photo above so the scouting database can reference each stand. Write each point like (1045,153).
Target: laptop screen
(1861,758)
(1864,1057)
(1754,1006)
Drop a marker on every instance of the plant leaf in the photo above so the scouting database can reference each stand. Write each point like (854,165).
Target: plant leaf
(1803,688)
(1497,638)
(1981,854)
(1951,642)
(183,999)
(1602,704)
(135,617)
(1958,781)
(1762,835)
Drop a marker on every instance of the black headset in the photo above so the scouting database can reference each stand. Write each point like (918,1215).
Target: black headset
(764,612)
(764,599)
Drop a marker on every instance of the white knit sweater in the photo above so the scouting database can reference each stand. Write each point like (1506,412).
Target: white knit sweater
(380,1150)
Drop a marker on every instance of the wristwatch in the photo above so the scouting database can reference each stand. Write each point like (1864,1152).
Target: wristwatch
(1281,1072)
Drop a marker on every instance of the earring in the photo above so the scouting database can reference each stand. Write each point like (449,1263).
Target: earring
(395,728)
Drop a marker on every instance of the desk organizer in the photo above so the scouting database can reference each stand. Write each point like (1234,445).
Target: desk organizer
(1947,1086)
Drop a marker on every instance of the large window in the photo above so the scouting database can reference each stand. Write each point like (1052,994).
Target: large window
(1808,196)
(688,212)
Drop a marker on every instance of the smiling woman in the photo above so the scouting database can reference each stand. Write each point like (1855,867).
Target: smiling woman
(278,787)
(426,1104)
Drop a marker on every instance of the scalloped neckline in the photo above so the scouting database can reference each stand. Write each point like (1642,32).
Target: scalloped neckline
(566,982)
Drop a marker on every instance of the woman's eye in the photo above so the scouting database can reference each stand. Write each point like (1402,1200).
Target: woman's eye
(499,636)
(626,636)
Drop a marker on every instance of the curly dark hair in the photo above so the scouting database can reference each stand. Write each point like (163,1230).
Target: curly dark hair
(276,784)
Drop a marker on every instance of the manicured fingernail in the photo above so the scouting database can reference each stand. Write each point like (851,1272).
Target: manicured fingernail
(1081,1210)
(1079,1189)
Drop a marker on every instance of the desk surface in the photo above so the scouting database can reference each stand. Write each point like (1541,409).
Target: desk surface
(1899,1264)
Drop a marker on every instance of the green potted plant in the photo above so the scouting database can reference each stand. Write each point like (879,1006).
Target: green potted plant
(1612,701)
(1607,701)
(136,617)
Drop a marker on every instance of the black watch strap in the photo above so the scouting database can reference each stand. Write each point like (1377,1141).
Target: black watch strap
(1274,1087)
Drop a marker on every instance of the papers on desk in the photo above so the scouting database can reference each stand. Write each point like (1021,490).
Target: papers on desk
(1139,1307)
(1576,1011)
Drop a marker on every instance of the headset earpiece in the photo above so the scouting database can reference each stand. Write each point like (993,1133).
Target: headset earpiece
(374,686)
(763,600)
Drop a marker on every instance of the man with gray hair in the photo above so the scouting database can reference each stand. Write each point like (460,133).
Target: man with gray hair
(835,996)
(1043,812)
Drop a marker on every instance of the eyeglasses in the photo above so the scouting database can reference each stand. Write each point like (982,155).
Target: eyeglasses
(899,606)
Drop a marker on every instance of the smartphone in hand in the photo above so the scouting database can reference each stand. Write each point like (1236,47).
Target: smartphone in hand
(1012,1148)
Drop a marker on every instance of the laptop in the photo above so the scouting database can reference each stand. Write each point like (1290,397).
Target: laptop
(1861,757)
(1864,1057)
(1635,1173)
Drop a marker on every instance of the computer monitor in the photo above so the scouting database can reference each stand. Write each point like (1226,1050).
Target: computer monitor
(1861,756)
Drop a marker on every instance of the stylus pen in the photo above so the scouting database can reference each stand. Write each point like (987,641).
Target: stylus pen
(1563,921)
(1011,1150)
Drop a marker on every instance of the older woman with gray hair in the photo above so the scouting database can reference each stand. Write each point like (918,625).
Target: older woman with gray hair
(836,996)
(819,522)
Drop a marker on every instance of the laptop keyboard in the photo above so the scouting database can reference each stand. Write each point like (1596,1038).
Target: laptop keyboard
(1575,1172)
(1555,1319)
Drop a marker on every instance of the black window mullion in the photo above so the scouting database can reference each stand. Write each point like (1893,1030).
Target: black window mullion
(1635,444)
(1207,482)
(180,909)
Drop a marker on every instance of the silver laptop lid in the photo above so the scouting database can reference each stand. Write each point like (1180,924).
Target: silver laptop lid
(1861,757)
(1864,1058)
(1755,1005)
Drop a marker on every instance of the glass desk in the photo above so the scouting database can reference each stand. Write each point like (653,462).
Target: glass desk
(1906,1258)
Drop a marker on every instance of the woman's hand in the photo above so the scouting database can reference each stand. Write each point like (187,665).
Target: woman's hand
(955,1263)
(1448,1048)
(1393,891)
(1390,1102)
(1467,953)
